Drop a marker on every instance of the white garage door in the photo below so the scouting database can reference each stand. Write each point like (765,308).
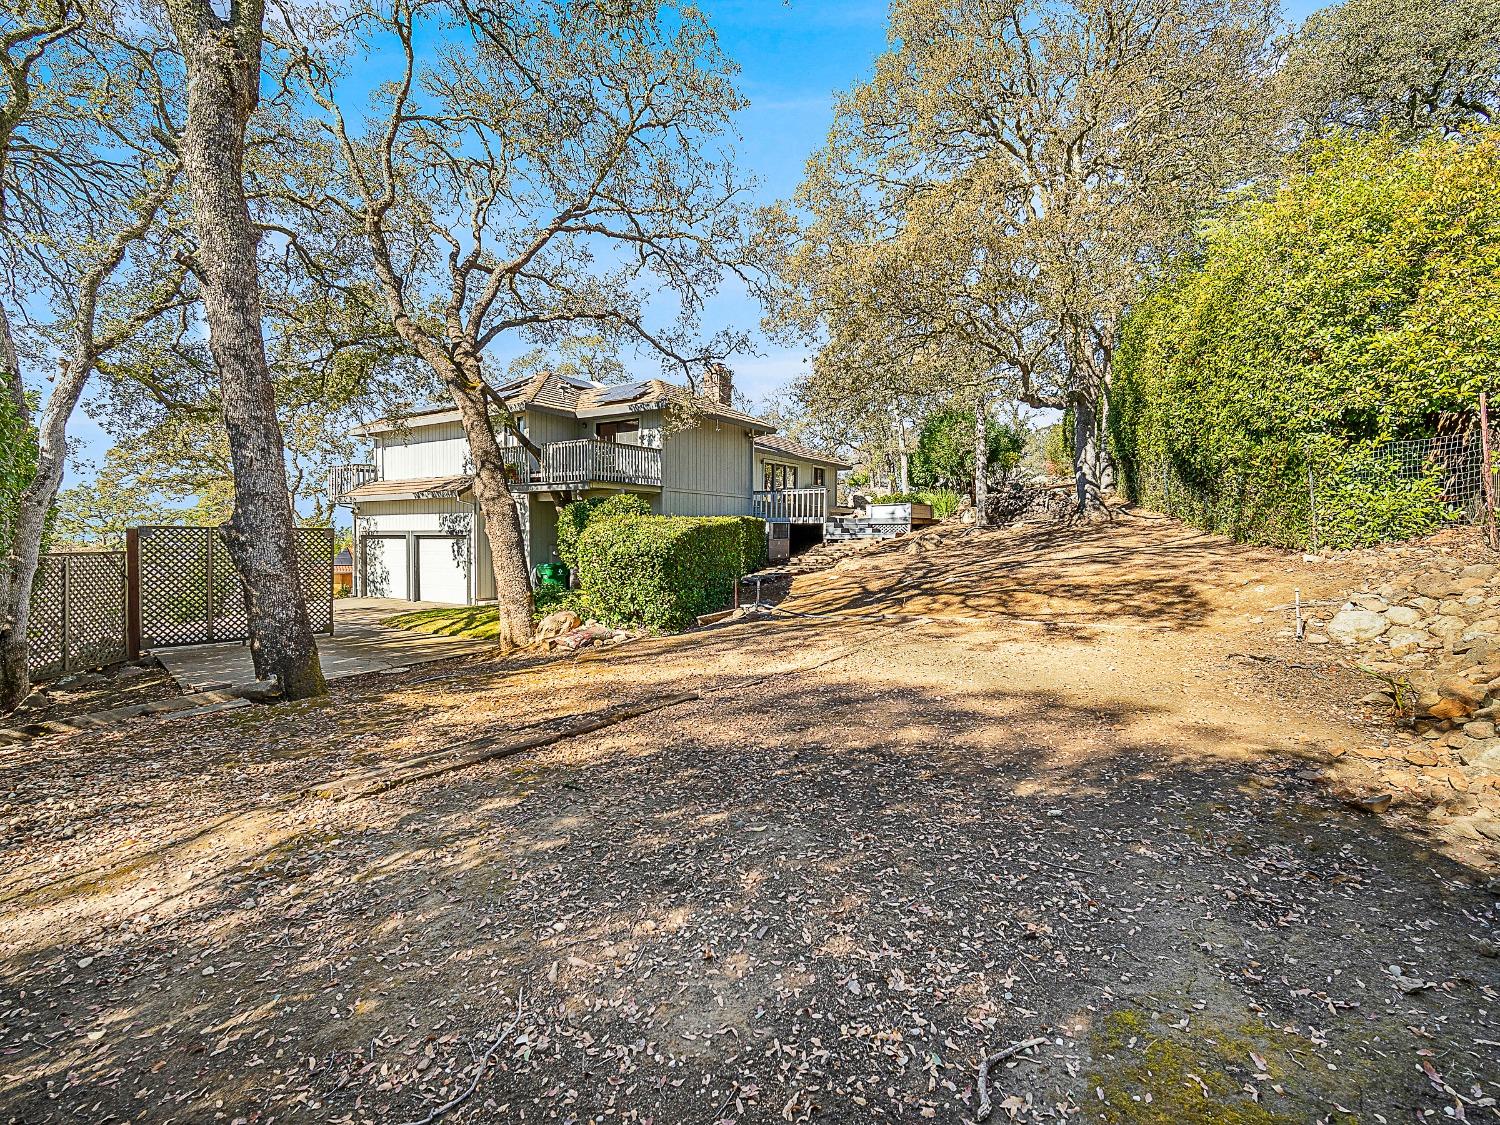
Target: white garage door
(385,566)
(443,569)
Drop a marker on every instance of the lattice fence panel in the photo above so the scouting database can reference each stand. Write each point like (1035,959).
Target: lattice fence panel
(45,631)
(315,565)
(231,617)
(77,613)
(190,592)
(173,585)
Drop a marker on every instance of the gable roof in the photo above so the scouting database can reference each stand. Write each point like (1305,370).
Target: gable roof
(583,398)
(776,443)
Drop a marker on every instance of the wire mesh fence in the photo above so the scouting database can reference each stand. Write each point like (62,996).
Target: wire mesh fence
(1335,497)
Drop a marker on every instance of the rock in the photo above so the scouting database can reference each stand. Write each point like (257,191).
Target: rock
(1376,804)
(258,691)
(1480,729)
(1377,699)
(1372,602)
(1457,687)
(1480,571)
(1425,605)
(1450,708)
(1421,756)
(1315,639)
(1404,640)
(1352,626)
(1435,584)
(556,624)
(1402,615)
(1451,608)
(132,672)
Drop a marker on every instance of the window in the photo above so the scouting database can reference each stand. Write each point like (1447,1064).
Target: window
(610,431)
(818,481)
(778,478)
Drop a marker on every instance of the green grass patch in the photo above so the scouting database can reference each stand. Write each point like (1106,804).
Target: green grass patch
(477,621)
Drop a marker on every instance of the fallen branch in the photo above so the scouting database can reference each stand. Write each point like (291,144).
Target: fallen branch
(499,1042)
(990,1060)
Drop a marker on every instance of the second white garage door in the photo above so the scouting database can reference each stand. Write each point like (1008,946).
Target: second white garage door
(442,569)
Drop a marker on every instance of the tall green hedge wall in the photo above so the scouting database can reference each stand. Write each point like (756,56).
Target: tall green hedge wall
(663,571)
(1348,309)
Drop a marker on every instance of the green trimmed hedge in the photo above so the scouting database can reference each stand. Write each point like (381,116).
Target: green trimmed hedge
(579,514)
(663,571)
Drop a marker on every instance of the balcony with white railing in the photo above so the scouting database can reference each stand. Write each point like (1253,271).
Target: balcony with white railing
(577,464)
(792,505)
(344,479)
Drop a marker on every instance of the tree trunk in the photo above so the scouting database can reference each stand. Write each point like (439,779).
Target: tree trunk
(502,521)
(222,59)
(1093,473)
(27,527)
(981,461)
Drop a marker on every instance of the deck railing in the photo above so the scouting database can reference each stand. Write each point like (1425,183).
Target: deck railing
(792,505)
(344,479)
(521,464)
(590,460)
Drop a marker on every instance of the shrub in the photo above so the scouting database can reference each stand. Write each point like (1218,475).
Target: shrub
(1353,307)
(576,516)
(663,571)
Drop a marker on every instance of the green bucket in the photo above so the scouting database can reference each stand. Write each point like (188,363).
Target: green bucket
(554,574)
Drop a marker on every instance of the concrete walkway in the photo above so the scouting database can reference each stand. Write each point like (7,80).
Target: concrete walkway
(359,644)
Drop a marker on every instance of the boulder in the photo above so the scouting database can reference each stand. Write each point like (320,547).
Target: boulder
(1480,728)
(1402,615)
(1404,640)
(1450,708)
(1457,687)
(1352,625)
(556,624)
(1372,602)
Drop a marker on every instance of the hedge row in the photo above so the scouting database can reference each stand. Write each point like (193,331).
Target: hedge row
(664,571)
(1356,306)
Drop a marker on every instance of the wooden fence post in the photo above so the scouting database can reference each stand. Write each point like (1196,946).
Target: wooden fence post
(1487,470)
(132,594)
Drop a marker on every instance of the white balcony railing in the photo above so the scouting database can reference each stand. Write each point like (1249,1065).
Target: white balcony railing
(792,505)
(590,461)
(344,479)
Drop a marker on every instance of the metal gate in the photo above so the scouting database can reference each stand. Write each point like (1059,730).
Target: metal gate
(77,613)
(185,590)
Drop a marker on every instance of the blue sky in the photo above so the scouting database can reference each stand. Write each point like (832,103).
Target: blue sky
(795,55)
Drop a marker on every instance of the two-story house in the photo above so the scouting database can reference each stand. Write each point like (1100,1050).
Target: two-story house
(420,537)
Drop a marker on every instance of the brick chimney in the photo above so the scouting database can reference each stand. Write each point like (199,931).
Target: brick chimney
(718,384)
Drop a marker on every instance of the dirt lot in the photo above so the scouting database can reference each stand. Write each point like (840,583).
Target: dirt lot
(1024,784)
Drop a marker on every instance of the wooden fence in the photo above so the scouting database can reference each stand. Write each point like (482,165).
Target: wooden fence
(172,585)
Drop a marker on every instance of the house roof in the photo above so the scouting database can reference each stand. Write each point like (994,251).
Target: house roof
(585,398)
(422,488)
(776,443)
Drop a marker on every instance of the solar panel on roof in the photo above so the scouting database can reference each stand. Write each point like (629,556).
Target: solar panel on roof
(578,381)
(623,394)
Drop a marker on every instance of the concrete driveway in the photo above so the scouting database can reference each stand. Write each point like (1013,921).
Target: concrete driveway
(359,644)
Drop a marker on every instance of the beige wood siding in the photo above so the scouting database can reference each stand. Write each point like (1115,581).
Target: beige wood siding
(706,471)
(423,451)
(804,473)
